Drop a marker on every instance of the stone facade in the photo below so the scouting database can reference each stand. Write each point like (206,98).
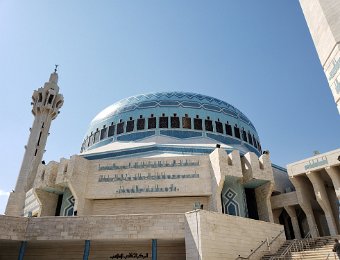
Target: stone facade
(175,194)
(316,180)
(323,19)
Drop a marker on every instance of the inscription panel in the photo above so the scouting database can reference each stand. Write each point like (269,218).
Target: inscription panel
(175,176)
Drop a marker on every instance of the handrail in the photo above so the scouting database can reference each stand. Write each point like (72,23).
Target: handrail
(271,242)
(266,241)
(298,245)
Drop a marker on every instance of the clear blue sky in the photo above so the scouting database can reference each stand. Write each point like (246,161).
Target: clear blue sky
(256,55)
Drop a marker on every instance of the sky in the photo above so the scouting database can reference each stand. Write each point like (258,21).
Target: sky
(255,55)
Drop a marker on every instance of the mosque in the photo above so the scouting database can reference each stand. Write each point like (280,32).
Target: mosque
(168,175)
(164,175)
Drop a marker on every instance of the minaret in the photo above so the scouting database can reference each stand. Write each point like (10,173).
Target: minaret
(323,20)
(46,102)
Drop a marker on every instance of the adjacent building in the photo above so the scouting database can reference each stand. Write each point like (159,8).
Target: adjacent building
(323,19)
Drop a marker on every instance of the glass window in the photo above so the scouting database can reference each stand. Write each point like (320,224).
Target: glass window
(140,123)
(103,133)
(237,132)
(151,122)
(130,125)
(186,122)
(120,128)
(219,127)
(198,124)
(163,122)
(91,139)
(244,135)
(96,136)
(111,130)
(208,125)
(174,122)
(228,129)
(249,138)
(255,142)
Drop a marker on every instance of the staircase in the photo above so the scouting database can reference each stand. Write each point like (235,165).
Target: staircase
(307,248)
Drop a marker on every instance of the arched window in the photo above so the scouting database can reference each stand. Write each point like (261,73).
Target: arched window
(130,125)
(120,127)
(237,132)
(228,129)
(140,123)
(151,122)
(250,139)
(174,121)
(163,121)
(219,127)
(186,122)
(244,135)
(208,124)
(197,123)
(103,133)
(111,130)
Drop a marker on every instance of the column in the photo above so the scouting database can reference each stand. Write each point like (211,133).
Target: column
(303,195)
(334,173)
(322,198)
(276,215)
(22,250)
(86,250)
(264,208)
(295,223)
(154,249)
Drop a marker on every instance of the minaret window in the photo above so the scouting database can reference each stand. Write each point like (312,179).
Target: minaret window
(50,99)
(130,125)
(237,132)
(228,129)
(219,127)
(111,130)
(197,123)
(174,121)
(39,138)
(208,124)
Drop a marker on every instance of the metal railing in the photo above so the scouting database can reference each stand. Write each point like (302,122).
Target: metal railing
(300,245)
(265,242)
(329,256)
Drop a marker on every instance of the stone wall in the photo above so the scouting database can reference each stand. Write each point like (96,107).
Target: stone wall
(150,205)
(117,227)
(210,235)
(13,228)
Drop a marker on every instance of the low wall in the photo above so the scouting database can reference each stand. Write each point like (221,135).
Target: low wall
(13,228)
(210,235)
(117,227)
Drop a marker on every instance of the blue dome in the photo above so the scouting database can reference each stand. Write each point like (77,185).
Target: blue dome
(180,115)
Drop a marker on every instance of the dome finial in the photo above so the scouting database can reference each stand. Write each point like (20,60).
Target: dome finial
(56,68)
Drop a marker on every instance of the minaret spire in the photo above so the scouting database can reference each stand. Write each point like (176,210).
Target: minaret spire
(46,102)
